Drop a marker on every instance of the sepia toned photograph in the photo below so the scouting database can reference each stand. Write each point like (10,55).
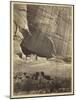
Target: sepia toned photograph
(42,61)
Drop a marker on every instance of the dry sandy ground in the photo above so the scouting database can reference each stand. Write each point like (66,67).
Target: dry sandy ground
(53,67)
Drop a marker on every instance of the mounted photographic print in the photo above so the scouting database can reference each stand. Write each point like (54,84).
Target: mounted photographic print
(41,49)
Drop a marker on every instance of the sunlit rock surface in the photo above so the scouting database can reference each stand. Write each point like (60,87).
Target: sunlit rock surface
(42,43)
(46,29)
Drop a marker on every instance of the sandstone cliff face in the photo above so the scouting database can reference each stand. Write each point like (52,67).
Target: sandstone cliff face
(45,31)
(19,21)
(49,29)
(53,22)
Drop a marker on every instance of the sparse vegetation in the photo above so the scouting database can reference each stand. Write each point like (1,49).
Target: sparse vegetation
(38,82)
(68,59)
